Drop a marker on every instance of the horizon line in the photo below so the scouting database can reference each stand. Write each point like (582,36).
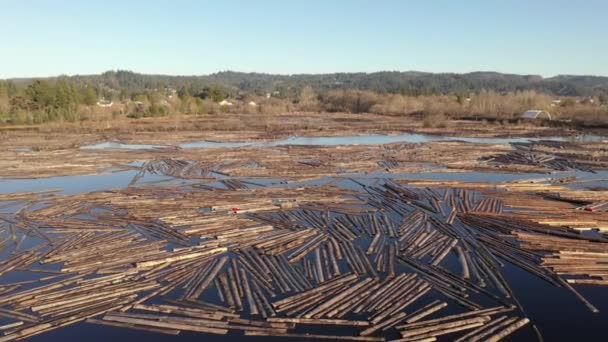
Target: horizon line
(296,74)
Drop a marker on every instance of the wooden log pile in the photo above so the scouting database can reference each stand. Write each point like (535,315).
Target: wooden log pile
(179,168)
(391,260)
(549,155)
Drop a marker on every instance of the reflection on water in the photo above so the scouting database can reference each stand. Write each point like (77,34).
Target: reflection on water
(88,183)
(117,145)
(369,139)
(76,184)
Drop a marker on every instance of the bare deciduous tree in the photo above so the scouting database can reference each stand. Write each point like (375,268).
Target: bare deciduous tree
(308,100)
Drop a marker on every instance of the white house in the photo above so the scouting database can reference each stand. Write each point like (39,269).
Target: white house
(105,104)
(534,114)
(225,103)
(252,104)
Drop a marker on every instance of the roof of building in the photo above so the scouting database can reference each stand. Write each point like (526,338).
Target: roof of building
(536,114)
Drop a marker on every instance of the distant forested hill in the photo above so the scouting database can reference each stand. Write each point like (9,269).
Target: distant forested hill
(408,83)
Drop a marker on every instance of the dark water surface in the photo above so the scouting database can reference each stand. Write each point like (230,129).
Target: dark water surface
(556,312)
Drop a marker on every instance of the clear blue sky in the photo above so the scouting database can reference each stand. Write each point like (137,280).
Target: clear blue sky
(547,37)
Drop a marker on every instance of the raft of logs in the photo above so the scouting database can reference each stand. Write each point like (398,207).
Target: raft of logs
(549,155)
(401,260)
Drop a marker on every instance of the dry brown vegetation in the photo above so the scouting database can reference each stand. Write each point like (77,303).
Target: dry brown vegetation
(488,105)
(485,105)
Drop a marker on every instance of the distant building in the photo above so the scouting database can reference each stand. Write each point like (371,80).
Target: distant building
(225,103)
(105,103)
(252,104)
(535,114)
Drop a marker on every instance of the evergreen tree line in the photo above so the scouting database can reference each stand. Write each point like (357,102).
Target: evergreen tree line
(74,98)
(43,101)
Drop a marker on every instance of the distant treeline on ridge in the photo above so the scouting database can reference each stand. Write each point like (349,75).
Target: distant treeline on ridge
(118,94)
(406,83)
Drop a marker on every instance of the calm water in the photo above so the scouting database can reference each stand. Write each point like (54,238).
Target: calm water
(117,145)
(77,184)
(369,139)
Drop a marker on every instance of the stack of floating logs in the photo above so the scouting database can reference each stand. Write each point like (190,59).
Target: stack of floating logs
(416,262)
(535,154)
(582,260)
(544,160)
(300,162)
(188,169)
(174,168)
